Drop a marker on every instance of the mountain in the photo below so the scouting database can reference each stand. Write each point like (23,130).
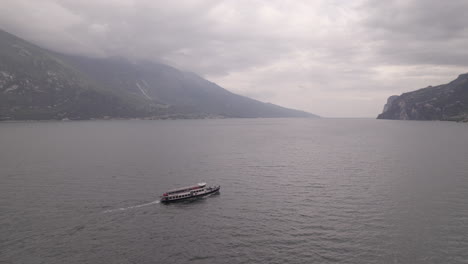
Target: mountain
(184,90)
(35,84)
(39,84)
(443,102)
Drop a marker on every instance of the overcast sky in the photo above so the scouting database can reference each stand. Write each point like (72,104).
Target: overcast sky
(335,58)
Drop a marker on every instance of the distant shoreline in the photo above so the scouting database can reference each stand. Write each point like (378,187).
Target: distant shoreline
(148,119)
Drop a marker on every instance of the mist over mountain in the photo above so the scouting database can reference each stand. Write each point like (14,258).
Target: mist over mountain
(443,102)
(184,90)
(39,84)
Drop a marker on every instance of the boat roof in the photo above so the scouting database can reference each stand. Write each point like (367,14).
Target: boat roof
(199,185)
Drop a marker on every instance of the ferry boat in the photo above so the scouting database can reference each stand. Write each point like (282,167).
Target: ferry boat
(188,192)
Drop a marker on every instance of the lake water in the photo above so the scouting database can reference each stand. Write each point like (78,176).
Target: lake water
(293,191)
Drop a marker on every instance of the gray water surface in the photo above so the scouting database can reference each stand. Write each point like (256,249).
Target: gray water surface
(293,191)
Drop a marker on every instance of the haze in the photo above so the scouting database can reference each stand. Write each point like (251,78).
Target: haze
(333,58)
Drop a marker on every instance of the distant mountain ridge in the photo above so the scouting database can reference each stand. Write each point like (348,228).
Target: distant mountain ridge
(34,84)
(39,84)
(184,90)
(443,102)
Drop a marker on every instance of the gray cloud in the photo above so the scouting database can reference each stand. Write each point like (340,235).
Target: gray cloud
(334,58)
(419,32)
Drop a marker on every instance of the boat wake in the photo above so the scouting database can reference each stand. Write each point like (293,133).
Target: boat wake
(131,207)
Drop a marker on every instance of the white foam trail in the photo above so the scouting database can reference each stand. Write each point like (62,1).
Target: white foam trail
(131,207)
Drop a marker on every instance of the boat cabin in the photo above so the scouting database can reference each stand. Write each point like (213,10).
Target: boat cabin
(188,189)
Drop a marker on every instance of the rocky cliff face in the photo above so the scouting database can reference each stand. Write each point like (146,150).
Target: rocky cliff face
(444,102)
